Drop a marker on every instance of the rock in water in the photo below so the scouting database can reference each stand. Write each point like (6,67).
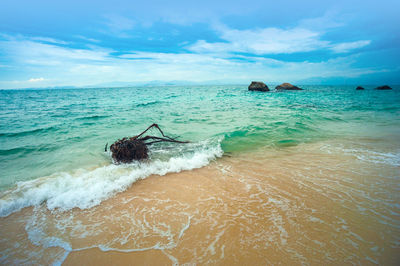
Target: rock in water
(359,88)
(258,86)
(287,86)
(385,87)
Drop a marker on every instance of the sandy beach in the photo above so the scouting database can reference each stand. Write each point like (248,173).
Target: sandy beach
(305,204)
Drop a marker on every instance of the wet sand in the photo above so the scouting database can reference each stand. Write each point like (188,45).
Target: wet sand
(307,204)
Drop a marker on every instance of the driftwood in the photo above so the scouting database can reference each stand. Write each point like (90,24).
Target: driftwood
(135,148)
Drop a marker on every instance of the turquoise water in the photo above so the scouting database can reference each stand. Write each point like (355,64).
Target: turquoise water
(54,133)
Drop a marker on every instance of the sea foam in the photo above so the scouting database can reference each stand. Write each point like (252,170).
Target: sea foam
(87,188)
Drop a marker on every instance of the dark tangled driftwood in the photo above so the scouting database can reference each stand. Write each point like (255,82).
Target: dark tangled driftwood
(135,148)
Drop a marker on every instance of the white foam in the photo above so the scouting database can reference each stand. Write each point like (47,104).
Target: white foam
(85,189)
(363,154)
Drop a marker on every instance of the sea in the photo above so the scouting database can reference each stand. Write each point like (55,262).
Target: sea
(281,177)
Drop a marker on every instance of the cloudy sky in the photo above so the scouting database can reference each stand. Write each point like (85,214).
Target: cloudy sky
(89,43)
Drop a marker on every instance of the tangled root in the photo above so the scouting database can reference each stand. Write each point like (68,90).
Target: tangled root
(135,148)
(126,150)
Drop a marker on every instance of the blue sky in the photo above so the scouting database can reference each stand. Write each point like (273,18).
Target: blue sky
(90,43)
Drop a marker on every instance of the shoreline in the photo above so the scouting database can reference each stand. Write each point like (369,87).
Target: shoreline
(259,207)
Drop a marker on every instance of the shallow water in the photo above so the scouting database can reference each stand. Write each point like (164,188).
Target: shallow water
(307,177)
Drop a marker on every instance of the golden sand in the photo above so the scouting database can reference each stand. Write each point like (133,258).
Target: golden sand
(307,204)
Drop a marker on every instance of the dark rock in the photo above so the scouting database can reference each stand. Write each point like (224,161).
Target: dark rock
(287,86)
(258,86)
(385,87)
(359,88)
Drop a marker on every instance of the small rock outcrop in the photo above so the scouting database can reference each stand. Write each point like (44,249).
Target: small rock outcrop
(359,88)
(385,87)
(258,86)
(287,86)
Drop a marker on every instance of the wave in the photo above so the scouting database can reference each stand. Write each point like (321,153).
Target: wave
(148,103)
(92,117)
(87,188)
(28,132)
(27,149)
(279,134)
(367,155)
(375,157)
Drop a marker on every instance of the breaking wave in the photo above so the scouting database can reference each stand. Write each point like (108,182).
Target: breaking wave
(87,188)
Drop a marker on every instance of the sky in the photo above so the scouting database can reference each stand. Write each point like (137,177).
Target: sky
(121,42)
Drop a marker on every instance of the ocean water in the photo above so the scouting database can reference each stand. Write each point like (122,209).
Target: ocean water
(52,161)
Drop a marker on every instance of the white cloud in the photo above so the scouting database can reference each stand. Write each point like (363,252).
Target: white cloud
(48,40)
(87,39)
(96,65)
(37,53)
(36,79)
(264,41)
(347,46)
(331,19)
